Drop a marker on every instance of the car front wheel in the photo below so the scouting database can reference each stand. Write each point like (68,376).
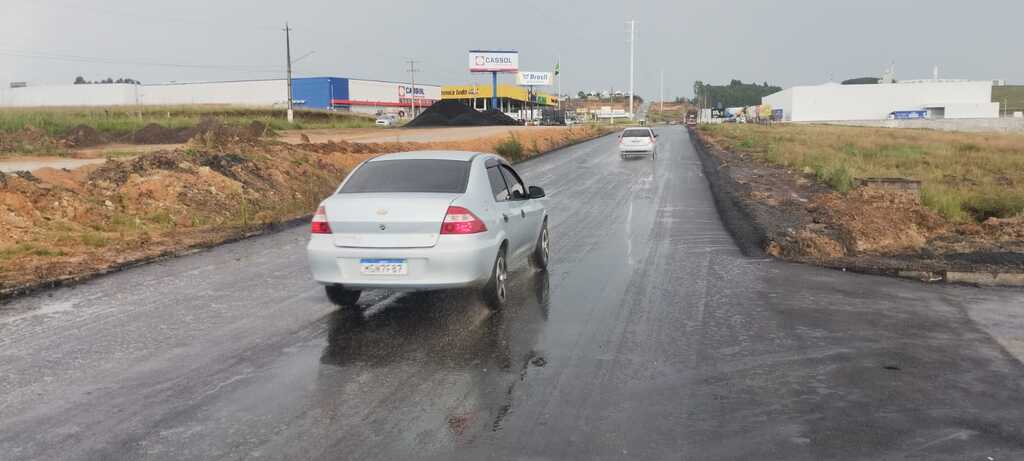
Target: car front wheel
(543,250)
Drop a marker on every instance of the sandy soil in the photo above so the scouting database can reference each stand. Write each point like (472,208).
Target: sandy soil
(93,155)
(404,134)
(35,163)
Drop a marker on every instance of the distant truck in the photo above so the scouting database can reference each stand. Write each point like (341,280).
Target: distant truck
(691,118)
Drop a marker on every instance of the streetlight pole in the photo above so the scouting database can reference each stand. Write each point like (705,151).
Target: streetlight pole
(288,56)
(632,40)
(662,91)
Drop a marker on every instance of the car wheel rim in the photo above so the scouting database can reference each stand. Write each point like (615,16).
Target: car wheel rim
(502,277)
(544,244)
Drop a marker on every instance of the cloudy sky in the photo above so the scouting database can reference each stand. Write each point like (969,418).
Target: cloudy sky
(784,42)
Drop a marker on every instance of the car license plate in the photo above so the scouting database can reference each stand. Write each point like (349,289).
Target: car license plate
(384,266)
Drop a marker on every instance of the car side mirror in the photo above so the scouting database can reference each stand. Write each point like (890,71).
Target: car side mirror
(536,192)
(655,135)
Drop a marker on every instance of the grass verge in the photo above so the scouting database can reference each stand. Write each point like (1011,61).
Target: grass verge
(965,176)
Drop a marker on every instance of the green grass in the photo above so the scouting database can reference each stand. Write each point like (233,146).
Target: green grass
(95,239)
(1011,95)
(964,176)
(120,121)
(27,249)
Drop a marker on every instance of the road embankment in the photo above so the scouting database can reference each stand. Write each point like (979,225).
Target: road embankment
(878,227)
(65,226)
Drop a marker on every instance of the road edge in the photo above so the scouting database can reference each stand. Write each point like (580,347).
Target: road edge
(750,236)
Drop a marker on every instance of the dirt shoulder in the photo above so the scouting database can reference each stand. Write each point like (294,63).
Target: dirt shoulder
(874,229)
(405,134)
(64,226)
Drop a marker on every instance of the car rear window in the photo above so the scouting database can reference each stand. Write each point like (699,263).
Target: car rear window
(636,133)
(409,175)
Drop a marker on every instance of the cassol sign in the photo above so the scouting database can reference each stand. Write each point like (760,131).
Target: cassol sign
(493,61)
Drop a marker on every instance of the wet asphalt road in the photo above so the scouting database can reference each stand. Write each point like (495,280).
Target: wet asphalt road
(651,337)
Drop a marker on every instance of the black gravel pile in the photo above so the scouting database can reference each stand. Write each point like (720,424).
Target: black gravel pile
(454,113)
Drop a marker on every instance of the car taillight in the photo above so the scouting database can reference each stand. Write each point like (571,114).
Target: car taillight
(320,225)
(652,139)
(459,220)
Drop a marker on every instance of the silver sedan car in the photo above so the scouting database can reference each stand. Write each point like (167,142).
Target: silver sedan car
(426,221)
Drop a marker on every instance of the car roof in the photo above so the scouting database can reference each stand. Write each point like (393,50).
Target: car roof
(429,155)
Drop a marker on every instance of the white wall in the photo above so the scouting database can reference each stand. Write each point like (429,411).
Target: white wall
(114,94)
(244,93)
(377,91)
(874,102)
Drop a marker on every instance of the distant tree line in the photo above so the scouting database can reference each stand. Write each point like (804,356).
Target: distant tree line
(735,94)
(862,81)
(82,81)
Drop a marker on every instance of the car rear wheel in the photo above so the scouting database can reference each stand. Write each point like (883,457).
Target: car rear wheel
(341,296)
(495,292)
(543,249)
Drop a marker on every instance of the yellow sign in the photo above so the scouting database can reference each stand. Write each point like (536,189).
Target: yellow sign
(504,91)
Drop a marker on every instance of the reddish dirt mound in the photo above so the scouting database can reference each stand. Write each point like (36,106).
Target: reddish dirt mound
(872,220)
(154,133)
(83,136)
(28,138)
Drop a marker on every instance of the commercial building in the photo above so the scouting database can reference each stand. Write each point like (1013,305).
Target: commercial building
(324,93)
(952,99)
(514,100)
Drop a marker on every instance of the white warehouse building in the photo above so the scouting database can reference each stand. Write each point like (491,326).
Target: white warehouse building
(322,93)
(835,102)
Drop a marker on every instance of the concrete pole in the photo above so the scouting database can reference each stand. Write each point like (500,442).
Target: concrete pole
(632,30)
(662,91)
(288,55)
(494,90)
(412,76)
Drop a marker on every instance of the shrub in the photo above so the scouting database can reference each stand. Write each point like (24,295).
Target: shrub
(510,148)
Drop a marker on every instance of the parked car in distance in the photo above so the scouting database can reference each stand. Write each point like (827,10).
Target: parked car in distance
(386,120)
(428,220)
(638,141)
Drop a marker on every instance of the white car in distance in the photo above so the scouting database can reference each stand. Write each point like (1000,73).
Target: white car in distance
(428,220)
(638,141)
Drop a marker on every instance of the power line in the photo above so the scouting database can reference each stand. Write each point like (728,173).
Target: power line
(100,60)
(163,19)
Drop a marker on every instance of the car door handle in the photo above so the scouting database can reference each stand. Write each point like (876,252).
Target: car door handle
(505,216)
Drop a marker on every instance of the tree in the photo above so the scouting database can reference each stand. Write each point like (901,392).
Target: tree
(861,81)
(79,80)
(735,94)
(582,95)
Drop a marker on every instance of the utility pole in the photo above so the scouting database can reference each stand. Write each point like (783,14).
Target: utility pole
(412,75)
(288,55)
(662,109)
(632,33)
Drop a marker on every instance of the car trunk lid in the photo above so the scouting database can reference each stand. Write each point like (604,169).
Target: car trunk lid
(387,220)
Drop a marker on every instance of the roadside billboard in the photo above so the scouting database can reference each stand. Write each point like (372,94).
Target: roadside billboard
(493,61)
(534,78)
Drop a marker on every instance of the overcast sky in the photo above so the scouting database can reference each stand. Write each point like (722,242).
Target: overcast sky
(784,42)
